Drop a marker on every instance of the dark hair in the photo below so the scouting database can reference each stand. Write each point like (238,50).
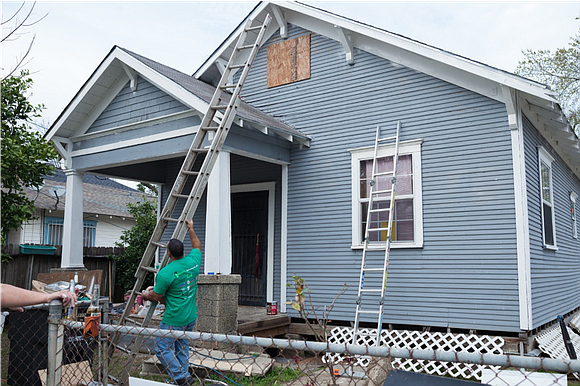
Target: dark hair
(175,248)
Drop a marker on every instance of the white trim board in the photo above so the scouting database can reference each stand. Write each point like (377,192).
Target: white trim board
(271,188)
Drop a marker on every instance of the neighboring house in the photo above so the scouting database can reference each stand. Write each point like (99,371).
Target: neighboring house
(486,234)
(105,214)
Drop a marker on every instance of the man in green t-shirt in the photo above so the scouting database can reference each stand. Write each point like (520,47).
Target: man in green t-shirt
(176,287)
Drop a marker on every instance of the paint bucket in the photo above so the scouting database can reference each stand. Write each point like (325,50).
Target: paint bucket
(272,308)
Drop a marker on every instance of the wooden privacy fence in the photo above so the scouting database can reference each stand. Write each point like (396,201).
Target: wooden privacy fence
(23,268)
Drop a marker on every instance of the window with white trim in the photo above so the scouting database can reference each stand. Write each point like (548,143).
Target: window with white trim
(547,198)
(573,197)
(407,229)
(53,231)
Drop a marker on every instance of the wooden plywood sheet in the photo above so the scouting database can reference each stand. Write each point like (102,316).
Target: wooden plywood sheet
(288,61)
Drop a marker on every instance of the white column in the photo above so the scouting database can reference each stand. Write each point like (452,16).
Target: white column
(218,232)
(72,240)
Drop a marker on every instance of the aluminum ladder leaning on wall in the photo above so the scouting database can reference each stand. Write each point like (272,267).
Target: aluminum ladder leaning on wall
(250,40)
(365,271)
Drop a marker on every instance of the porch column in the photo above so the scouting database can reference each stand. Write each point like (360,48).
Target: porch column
(72,239)
(218,232)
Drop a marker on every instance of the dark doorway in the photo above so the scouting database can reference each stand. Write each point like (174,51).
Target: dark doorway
(249,244)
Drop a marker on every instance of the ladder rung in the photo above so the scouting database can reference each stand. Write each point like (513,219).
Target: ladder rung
(150,269)
(209,128)
(190,173)
(136,323)
(226,86)
(157,243)
(247,46)
(234,66)
(383,174)
(372,269)
(220,107)
(387,139)
(171,219)
(382,191)
(359,333)
(380,210)
(370,290)
(368,312)
(179,195)
(123,349)
(254,28)
(377,229)
(199,150)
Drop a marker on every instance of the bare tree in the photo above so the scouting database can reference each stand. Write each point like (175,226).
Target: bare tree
(16,25)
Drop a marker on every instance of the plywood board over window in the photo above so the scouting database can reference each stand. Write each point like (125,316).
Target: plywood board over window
(289,61)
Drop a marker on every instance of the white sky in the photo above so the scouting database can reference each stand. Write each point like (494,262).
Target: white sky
(76,36)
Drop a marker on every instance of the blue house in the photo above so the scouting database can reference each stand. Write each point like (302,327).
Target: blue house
(486,233)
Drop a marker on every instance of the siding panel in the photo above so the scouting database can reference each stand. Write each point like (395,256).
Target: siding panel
(465,276)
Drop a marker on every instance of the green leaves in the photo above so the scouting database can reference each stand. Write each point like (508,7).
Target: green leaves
(25,154)
(135,240)
(561,71)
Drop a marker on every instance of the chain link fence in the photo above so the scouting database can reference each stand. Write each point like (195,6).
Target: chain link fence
(74,355)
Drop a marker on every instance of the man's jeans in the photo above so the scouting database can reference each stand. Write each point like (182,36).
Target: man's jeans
(174,353)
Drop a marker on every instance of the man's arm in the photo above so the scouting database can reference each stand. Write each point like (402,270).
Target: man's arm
(13,297)
(195,243)
(152,296)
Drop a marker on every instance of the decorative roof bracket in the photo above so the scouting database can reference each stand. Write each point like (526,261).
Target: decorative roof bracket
(346,41)
(281,20)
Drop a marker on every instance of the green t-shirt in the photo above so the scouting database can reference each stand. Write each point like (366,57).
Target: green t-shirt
(177,281)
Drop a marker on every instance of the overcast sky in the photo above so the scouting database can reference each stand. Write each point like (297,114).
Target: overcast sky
(76,36)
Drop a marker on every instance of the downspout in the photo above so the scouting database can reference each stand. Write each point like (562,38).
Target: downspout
(512,102)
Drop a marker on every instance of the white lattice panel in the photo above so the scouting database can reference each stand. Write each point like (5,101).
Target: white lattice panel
(575,321)
(424,341)
(550,341)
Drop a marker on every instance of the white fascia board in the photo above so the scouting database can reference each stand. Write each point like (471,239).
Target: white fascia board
(313,20)
(80,96)
(101,106)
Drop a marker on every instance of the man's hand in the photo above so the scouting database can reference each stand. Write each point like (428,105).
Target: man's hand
(195,243)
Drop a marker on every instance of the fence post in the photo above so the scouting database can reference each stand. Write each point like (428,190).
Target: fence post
(55,343)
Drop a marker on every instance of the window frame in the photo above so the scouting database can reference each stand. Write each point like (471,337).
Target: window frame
(88,225)
(545,158)
(412,148)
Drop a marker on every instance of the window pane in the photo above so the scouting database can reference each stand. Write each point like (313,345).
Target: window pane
(545,170)
(548,230)
(404,220)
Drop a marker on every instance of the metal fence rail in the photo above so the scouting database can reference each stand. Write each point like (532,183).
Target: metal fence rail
(74,358)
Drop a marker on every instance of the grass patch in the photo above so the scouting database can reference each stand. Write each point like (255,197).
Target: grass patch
(277,376)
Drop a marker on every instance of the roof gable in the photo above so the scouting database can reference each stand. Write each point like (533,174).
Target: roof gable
(537,101)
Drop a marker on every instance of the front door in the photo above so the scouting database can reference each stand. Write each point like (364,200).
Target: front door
(249,238)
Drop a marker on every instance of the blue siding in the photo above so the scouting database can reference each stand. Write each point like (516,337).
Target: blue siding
(555,274)
(127,107)
(465,276)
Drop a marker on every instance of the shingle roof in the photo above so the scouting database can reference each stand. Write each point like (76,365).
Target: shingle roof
(101,195)
(205,92)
